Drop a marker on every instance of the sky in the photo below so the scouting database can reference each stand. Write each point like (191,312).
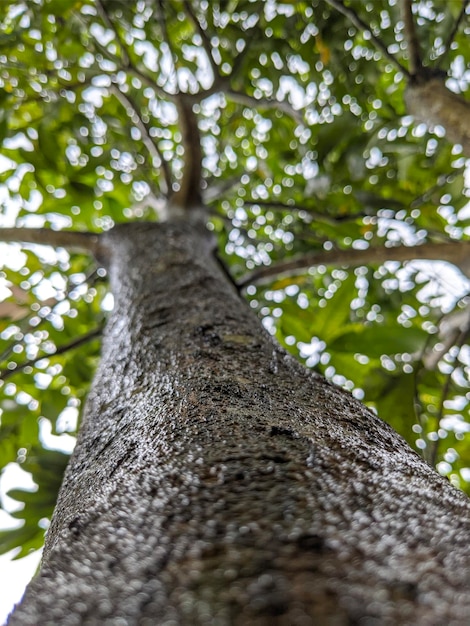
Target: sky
(14,575)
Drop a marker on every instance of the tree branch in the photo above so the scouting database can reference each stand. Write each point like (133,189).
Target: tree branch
(365,28)
(206,43)
(214,191)
(166,38)
(411,38)
(457,253)
(264,103)
(25,322)
(125,59)
(75,343)
(331,219)
(189,194)
(445,392)
(454,31)
(110,25)
(128,103)
(80,241)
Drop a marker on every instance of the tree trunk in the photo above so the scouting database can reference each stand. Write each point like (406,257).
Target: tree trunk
(216,481)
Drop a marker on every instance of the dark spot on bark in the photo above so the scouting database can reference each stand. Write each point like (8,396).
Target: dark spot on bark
(127,456)
(280,431)
(239,475)
(209,335)
(155,324)
(404,590)
(312,542)
(277,458)
(112,562)
(75,526)
(272,603)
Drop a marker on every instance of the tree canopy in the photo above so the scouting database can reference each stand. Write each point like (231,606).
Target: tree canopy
(329,141)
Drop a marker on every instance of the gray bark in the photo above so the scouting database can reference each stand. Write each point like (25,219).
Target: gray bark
(216,481)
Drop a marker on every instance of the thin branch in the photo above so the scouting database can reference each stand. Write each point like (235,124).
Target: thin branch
(450,327)
(417,372)
(126,61)
(166,37)
(214,191)
(250,37)
(80,241)
(434,449)
(24,323)
(331,219)
(205,40)
(365,28)
(412,38)
(454,31)
(110,25)
(442,180)
(154,151)
(264,103)
(445,392)
(457,253)
(75,343)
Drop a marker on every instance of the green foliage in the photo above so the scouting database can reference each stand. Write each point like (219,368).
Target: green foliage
(307,147)
(46,468)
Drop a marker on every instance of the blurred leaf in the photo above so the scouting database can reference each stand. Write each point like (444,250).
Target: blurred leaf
(378,340)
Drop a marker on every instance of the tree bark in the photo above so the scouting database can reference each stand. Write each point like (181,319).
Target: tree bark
(216,481)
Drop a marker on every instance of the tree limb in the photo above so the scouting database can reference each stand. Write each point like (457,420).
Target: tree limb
(25,322)
(454,31)
(75,343)
(110,25)
(189,194)
(434,447)
(162,22)
(457,253)
(206,43)
(80,241)
(128,103)
(125,61)
(412,38)
(264,103)
(324,217)
(365,28)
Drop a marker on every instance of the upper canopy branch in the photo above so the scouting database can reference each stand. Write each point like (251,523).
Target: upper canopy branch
(363,27)
(427,97)
(189,194)
(315,215)
(412,39)
(152,147)
(101,10)
(205,39)
(457,253)
(454,30)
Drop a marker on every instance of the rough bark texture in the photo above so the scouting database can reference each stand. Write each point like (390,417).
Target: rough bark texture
(215,481)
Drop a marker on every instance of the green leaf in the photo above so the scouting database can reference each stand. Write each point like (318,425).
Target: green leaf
(375,341)
(328,322)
